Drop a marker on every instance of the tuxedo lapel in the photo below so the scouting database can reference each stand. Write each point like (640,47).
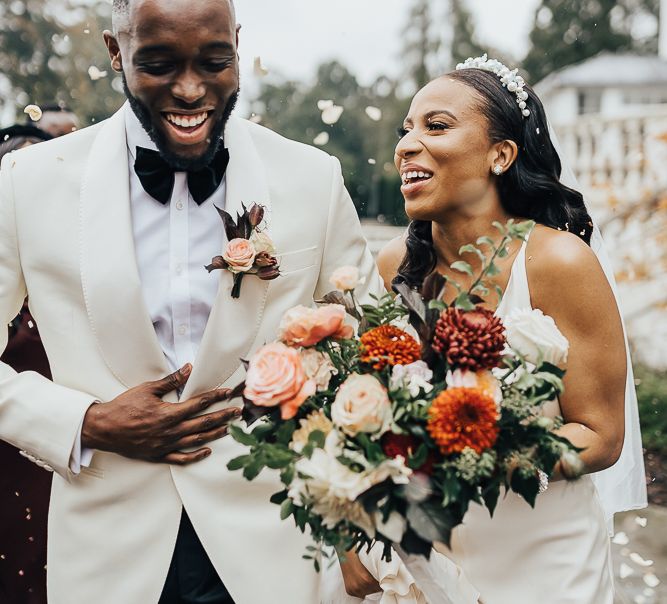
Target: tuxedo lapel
(233,322)
(109,273)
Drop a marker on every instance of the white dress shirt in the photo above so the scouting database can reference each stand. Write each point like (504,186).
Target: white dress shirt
(173,242)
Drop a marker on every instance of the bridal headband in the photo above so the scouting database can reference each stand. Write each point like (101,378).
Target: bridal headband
(513,82)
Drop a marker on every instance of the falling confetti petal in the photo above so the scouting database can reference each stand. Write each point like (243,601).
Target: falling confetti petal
(321,139)
(648,592)
(86,31)
(256,119)
(34,112)
(637,559)
(371,161)
(639,599)
(641,521)
(651,580)
(625,571)
(374,113)
(332,114)
(620,539)
(259,69)
(95,74)
(322,104)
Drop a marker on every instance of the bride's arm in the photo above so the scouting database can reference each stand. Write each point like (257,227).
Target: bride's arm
(567,283)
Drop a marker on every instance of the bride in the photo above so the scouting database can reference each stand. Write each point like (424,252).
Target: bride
(475,148)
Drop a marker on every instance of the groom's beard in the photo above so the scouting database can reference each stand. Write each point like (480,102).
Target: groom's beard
(177,162)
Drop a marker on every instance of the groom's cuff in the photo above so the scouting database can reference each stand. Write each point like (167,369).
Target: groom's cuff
(80,457)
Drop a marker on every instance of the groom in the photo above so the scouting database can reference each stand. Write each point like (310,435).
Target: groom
(110,242)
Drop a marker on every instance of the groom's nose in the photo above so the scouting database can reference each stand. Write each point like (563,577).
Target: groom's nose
(189,87)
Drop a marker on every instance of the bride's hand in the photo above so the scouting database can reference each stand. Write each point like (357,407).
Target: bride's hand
(358,581)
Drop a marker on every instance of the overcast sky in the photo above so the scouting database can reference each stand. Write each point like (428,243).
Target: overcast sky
(294,36)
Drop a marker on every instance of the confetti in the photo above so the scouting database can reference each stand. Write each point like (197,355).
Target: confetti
(637,559)
(374,113)
(95,74)
(258,69)
(322,105)
(651,580)
(332,114)
(86,31)
(34,112)
(639,599)
(321,139)
(641,521)
(648,592)
(625,571)
(620,539)
(371,161)
(256,119)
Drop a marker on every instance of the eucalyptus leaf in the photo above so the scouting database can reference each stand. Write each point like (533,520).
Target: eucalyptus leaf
(462,267)
(242,437)
(464,302)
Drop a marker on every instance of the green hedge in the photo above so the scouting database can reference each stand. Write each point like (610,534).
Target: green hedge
(652,396)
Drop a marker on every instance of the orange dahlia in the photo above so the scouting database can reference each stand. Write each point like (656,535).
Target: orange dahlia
(388,345)
(463,417)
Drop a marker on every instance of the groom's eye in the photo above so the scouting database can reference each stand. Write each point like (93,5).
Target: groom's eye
(156,68)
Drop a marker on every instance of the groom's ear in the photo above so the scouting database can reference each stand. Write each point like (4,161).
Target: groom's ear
(504,154)
(114,51)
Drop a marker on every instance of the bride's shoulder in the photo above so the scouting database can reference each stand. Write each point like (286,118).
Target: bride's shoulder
(389,259)
(561,265)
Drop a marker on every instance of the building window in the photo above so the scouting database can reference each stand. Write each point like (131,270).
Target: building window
(590,101)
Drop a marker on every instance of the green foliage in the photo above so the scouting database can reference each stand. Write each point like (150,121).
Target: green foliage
(652,398)
(569,31)
(46,49)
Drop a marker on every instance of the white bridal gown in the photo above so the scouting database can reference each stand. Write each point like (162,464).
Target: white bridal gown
(556,553)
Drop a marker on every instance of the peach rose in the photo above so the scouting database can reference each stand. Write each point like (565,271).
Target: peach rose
(239,255)
(345,278)
(276,377)
(303,326)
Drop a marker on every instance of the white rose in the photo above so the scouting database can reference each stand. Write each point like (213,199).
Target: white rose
(262,242)
(482,380)
(345,278)
(362,405)
(414,377)
(535,336)
(318,367)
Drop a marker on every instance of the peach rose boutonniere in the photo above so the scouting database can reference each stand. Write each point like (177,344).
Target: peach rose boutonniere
(249,249)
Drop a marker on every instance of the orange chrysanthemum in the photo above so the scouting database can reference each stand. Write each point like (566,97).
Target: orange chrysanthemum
(388,345)
(463,417)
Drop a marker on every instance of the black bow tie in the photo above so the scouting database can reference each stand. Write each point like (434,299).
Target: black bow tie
(157,176)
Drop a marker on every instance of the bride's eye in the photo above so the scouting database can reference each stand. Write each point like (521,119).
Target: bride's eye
(401,132)
(437,126)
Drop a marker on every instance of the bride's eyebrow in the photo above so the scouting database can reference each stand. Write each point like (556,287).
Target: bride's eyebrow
(435,112)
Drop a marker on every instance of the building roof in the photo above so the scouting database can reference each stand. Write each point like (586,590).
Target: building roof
(607,69)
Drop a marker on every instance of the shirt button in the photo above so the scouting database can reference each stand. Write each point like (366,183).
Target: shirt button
(182,330)
(179,205)
(179,269)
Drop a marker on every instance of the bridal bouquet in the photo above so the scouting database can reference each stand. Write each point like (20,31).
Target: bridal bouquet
(387,434)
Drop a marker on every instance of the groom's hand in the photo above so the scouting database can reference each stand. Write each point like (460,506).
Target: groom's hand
(140,425)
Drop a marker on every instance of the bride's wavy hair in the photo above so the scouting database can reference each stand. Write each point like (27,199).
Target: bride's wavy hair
(530,188)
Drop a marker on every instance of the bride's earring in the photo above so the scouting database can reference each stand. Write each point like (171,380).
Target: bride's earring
(497,170)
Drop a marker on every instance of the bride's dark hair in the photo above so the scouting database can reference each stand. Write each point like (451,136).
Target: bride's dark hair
(530,188)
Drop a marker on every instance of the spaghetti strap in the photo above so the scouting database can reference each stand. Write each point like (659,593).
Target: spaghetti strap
(517,292)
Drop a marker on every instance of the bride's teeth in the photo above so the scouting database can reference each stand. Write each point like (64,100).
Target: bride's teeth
(421,175)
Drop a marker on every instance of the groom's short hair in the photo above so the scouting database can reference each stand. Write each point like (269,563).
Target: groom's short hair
(120,14)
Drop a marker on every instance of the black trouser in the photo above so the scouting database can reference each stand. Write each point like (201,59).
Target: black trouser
(192,578)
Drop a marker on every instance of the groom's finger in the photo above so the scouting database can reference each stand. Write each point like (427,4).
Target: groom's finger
(186,409)
(197,439)
(206,423)
(171,382)
(178,458)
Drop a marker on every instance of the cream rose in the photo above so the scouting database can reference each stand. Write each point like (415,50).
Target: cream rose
(262,242)
(345,278)
(276,377)
(361,405)
(239,255)
(318,367)
(535,336)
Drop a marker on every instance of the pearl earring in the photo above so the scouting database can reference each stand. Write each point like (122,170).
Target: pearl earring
(497,170)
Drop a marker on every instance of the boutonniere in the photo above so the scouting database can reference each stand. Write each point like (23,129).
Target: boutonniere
(249,249)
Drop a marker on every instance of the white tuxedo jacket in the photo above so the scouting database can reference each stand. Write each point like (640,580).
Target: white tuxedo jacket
(66,241)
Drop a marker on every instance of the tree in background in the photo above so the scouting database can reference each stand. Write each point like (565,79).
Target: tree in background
(421,43)
(569,31)
(464,43)
(52,52)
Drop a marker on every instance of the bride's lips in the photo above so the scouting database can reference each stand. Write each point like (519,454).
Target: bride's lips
(413,188)
(188,128)
(415,179)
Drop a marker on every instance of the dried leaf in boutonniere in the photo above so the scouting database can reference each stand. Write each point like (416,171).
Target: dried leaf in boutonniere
(249,248)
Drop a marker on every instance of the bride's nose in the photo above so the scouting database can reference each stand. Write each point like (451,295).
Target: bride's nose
(408,146)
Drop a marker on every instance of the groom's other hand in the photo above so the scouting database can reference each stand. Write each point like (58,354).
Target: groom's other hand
(140,425)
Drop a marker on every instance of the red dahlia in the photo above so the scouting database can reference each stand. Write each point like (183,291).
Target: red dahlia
(405,445)
(472,339)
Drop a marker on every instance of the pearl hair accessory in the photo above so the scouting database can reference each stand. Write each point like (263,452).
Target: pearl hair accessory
(513,82)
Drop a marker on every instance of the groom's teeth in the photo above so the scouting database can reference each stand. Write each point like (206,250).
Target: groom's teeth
(185,121)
